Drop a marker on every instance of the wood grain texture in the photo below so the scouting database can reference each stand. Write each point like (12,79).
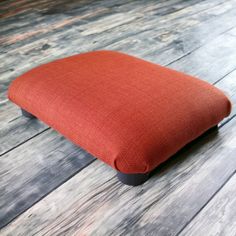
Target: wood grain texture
(185,31)
(194,36)
(16,129)
(219,216)
(100,205)
(34,169)
(21,128)
(219,62)
(41,50)
(26,53)
(228,85)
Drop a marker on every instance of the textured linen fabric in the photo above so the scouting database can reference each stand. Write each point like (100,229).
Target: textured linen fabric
(130,113)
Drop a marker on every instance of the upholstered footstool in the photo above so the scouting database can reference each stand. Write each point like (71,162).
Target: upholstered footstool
(129,113)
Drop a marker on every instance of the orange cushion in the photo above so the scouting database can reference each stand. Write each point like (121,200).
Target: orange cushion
(130,113)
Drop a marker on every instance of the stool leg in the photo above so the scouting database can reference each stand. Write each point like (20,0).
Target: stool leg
(27,114)
(132,179)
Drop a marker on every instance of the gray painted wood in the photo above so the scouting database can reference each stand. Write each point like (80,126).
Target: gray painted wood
(170,29)
(34,169)
(160,32)
(220,54)
(233,32)
(228,85)
(219,216)
(100,205)
(181,43)
(16,129)
(28,50)
(31,58)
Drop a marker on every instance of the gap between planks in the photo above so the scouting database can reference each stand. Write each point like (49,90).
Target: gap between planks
(101,205)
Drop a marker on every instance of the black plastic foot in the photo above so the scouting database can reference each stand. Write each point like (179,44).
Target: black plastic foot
(27,114)
(132,179)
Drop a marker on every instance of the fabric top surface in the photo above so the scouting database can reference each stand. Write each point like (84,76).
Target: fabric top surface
(130,113)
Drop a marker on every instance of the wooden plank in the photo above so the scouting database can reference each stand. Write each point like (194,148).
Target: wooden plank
(228,85)
(16,131)
(180,44)
(233,32)
(100,205)
(220,54)
(34,169)
(33,58)
(19,131)
(152,8)
(145,18)
(40,13)
(20,8)
(219,215)
(60,23)
(168,30)
(108,22)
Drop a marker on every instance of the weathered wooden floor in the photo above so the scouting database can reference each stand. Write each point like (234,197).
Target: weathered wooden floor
(48,186)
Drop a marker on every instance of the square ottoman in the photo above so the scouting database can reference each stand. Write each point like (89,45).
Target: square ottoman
(129,113)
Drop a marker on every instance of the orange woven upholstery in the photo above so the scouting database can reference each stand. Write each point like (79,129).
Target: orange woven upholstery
(130,113)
